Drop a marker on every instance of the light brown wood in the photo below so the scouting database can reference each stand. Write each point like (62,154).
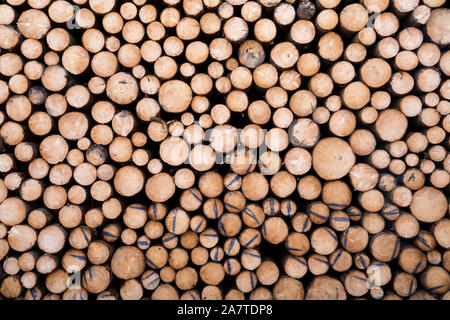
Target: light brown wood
(168,145)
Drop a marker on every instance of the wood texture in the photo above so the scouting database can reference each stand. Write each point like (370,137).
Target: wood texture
(209,149)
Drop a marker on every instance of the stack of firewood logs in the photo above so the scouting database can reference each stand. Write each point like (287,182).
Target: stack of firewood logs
(212,149)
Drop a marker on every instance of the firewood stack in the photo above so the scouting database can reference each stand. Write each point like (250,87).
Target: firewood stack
(210,149)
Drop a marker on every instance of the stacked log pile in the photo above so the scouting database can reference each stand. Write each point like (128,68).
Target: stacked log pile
(211,149)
